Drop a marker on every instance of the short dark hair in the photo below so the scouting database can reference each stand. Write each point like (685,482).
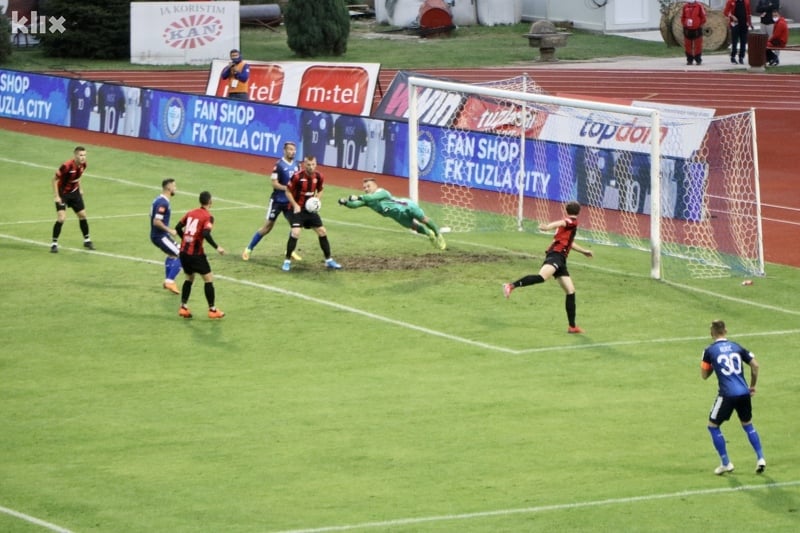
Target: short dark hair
(78,149)
(718,327)
(287,143)
(234,51)
(205,198)
(167,182)
(573,208)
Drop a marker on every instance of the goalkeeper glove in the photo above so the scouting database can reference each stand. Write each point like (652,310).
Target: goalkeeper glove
(342,201)
(354,198)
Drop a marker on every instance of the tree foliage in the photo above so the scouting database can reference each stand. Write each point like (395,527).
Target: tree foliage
(5,39)
(317,27)
(94,29)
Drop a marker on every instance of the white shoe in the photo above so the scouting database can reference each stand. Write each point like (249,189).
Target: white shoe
(721,469)
(761,465)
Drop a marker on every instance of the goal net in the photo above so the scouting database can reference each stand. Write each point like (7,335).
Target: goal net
(509,159)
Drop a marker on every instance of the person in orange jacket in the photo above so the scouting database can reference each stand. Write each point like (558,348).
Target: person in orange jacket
(738,13)
(693,18)
(778,39)
(236,74)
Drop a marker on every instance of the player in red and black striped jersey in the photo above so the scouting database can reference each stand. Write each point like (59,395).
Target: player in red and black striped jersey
(305,184)
(195,228)
(555,263)
(67,192)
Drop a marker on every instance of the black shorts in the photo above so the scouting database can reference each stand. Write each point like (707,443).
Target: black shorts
(558,261)
(73,200)
(306,220)
(195,264)
(692,34)
(724,406)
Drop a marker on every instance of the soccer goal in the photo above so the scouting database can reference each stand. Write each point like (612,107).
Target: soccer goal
(496,159)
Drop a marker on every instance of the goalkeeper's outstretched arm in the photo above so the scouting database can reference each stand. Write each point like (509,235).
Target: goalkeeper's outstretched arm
(352,201)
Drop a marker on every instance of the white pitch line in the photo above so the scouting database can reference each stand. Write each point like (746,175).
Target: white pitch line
(298,295)
(655,341)
(541,508)
(126,182)
(733,299)
(33,520)
(408,325)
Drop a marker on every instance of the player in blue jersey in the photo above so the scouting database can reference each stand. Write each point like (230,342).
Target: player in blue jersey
(350,138)
(82,100)
(111,105)
(724,358)
(278,203)
(317,129)
(161,234)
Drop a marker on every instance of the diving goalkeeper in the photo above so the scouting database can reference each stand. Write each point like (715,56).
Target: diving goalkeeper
(402,210)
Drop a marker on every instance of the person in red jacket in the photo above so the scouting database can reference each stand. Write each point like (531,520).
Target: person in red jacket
(693,18)
(738,13)
(778,39)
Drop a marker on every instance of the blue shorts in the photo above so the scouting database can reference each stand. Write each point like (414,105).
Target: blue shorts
(276,208)
(166,245)
(724,406)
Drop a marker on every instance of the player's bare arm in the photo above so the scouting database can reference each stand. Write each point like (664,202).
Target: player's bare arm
(582,250)
(753,376)
(159,224)
(295,205)
(552,225)
(276,185)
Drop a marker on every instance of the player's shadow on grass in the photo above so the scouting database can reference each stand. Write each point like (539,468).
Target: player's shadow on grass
(773,499)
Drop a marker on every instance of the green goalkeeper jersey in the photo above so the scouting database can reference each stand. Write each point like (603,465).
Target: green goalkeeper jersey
(401,210)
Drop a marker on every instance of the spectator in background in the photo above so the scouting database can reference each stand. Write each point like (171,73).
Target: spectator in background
(236,73)
(765,10)
(738,13)
(693,18)
(778,38)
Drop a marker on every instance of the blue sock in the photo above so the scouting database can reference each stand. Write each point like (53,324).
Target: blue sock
(719,443)
(172,266)
(755,442)
(255,240)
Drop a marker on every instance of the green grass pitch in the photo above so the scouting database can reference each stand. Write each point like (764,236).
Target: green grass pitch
(402,393)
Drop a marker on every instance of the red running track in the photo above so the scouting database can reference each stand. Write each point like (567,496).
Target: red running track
(775,98)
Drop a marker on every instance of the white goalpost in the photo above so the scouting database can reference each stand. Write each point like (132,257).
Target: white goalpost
(500,159)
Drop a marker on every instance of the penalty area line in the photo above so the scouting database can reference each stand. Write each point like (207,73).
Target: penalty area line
(543,508)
